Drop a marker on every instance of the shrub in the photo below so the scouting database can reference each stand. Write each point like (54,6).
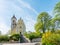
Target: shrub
(57,31)
(51,38)
(4,38)
(33,35)
(15,37)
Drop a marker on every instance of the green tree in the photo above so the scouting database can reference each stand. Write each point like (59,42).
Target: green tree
(33,35)
(43,22)
(57,9)
(56,19)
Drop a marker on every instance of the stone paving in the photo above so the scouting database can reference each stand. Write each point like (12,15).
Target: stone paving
(18,44)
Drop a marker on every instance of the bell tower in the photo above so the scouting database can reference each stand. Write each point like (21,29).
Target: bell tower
(17,26)
(21,26)
(13,24)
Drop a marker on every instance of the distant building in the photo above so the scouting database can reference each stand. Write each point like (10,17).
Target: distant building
(17,26)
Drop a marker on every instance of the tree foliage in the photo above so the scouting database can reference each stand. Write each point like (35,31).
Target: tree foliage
(56,19)
(33,35)
(14,37)
(4,38)
(50,38)
(46,22)
(43,22)
(57,8)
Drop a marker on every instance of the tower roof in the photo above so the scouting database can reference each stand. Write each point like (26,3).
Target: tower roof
(13,17)
(20,20)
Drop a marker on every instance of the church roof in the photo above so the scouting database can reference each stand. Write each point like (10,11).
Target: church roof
(14,17)
(20,20)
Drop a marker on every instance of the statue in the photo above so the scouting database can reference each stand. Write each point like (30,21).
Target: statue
(23,39)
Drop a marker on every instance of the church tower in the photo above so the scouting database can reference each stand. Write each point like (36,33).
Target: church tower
(17,26)
(21,26)
(13,24)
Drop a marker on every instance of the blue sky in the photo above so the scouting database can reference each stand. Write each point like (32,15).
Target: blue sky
(28,10)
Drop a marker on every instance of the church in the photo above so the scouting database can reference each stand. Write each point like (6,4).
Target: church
(17,26)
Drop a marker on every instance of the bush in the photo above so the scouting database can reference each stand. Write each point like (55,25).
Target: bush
(57,31)
(33,35)
(4,38)
(51,38)
(15,37)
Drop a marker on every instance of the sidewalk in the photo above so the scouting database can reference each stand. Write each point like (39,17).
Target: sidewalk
(18,44)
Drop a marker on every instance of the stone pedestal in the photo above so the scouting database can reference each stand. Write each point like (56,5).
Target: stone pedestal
(23,39)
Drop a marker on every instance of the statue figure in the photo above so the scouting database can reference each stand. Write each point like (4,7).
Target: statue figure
(23,39)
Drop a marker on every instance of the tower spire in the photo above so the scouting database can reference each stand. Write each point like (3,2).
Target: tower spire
(13,23)
(13,16)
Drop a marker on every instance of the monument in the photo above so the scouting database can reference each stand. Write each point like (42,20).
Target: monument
(23,39)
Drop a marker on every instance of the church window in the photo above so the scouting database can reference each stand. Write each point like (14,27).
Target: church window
(20,27)
(13,20)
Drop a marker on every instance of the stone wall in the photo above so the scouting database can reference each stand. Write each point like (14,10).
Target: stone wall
(36,40)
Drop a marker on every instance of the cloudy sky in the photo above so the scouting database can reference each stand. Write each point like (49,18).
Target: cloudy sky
(28,10)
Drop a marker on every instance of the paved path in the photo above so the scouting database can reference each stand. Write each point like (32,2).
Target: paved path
(18,44)
(21,44)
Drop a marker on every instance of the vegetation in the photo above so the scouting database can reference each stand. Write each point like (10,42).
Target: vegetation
(49,26)
(50,38)
(43,22)
(15,37)
(4,38)
(33,35)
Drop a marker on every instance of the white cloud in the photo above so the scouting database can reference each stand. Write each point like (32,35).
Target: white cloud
(30,22)
(27,6)
(3,26)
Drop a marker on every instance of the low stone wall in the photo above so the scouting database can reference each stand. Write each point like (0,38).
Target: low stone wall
(36,40)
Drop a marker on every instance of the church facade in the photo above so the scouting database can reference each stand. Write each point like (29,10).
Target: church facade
(17,26)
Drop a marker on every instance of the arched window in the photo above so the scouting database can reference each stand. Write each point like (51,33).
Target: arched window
(20,26)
